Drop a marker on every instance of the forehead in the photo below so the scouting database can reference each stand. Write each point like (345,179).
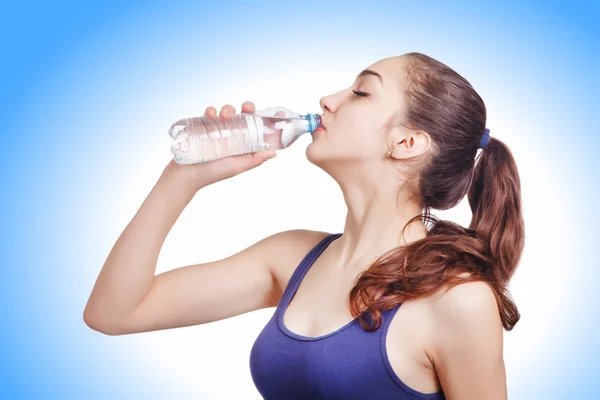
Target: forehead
(391,71)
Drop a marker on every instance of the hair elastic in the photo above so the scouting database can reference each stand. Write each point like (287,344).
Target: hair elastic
(484,138)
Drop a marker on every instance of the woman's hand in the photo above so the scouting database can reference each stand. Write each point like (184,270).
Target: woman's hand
(203,174)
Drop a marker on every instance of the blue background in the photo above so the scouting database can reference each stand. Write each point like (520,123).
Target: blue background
(88,91)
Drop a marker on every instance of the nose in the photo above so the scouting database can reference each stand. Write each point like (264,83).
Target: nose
(324,103)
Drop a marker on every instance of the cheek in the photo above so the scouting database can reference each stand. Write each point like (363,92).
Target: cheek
(355,134)
(362,133)
(354,139)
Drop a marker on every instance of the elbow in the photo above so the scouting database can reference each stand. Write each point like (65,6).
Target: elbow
(93,323)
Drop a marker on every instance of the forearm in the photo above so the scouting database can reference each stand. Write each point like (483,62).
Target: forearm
(127,274)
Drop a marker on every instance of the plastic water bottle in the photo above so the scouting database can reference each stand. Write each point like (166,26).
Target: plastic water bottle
(202,139)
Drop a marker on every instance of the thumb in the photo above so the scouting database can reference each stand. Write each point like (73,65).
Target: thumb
(260,157)
(248,161)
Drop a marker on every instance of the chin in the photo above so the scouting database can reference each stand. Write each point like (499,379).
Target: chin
(315,154)
(321,155)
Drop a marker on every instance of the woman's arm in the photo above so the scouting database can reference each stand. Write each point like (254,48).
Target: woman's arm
(128,272)
(468,344)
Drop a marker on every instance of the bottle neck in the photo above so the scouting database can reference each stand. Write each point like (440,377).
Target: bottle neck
(311,122)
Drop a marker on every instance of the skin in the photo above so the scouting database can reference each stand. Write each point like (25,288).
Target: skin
(459,343)
(451,340)
(353,150)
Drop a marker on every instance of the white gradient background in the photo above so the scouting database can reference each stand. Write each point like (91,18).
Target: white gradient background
(89,92)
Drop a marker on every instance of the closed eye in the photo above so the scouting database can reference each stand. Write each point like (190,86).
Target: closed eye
(362,94)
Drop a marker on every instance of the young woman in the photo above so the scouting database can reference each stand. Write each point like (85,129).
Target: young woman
(400,305)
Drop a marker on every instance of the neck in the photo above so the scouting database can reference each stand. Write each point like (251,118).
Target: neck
(374,223)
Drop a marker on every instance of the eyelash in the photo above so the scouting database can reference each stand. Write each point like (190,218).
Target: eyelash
(361,94)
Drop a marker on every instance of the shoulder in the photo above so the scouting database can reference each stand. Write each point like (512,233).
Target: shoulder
(294,241)
(465,302)
(288,248)
(467,315)
(292,236)
(467,348)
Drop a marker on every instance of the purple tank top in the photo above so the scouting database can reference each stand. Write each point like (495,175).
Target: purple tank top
(349,363)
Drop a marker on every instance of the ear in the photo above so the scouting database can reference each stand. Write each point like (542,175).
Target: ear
(408,143)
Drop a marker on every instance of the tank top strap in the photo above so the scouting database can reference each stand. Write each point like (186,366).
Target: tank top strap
(387,317)
(305,265)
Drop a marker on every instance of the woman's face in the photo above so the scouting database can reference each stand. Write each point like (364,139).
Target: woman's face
(355,118)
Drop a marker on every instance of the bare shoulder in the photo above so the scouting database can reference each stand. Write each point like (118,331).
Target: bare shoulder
(467,297)
(287,249)
(465,304)
(467,342)
(464,311)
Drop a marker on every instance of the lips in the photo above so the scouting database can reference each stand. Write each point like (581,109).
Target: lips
(323,123)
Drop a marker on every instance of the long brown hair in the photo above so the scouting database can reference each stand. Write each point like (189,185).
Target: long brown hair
(445,105)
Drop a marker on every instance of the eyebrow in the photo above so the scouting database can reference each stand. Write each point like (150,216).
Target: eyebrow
(367,72)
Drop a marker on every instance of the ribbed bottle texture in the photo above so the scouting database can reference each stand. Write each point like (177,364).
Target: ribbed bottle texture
(202,139)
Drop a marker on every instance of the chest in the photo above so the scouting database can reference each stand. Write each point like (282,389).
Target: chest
(320,305)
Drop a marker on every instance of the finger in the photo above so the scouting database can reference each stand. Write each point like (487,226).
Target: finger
(248,107)
(258,157)
(210,112)
(245,162)
(264,155)
(227,111)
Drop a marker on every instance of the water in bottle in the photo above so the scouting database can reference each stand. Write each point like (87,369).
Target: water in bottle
(201,139)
